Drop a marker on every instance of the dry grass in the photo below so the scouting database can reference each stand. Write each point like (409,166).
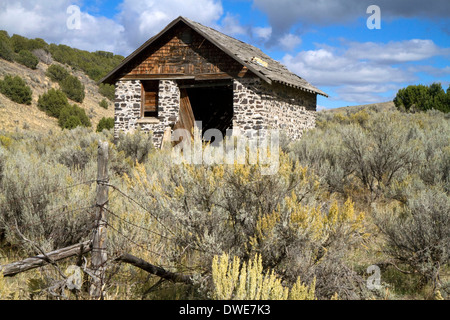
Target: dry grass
(386,106)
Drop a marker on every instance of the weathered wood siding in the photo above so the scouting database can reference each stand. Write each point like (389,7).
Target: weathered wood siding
(183,52)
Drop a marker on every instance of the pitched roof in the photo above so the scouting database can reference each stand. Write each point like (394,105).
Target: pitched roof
(253,58)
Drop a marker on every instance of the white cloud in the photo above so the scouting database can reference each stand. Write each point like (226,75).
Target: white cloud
(323,67)
(143,19)
(48,20)
(289,42)
(396,51)
(262,33)
(136,22)
(365,72)
(431,70)
(368,93)
(231,26)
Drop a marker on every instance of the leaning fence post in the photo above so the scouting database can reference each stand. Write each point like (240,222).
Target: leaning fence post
(99,254)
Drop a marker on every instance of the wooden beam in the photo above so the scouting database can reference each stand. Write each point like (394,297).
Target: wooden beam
(99,254)
(178,76)
(152,269)
(213,76)
(207,84)
(14,268)
(159,76)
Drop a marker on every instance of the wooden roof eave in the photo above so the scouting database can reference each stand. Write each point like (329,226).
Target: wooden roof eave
(302,88)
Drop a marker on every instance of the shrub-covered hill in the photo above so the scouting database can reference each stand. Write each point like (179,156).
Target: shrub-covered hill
(14,115)
(86,67)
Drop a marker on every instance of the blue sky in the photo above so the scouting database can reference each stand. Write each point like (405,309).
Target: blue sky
(326,42)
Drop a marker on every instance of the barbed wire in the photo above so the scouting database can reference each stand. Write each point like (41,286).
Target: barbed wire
(39,222)
(140,205)
(135,243)
(47,193)
(135,225)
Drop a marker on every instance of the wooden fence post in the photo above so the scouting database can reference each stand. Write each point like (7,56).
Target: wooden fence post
(99,254)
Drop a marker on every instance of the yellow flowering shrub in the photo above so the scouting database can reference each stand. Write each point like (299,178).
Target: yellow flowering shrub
(285,218)
(249,282)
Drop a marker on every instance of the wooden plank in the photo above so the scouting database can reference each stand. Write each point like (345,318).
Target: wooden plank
(179,76)
(213,76)
(244,72)
(186,116)
(203,55)
(202,84)
(149,93)
(173,56)
(157,76)
(14,268)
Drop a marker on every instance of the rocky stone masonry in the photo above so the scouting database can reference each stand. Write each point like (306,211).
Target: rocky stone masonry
(260,106)
(168,110)
(127,106)
(128,109)
(257,106)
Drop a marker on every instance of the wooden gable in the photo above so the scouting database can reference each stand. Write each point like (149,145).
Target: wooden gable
(184,53)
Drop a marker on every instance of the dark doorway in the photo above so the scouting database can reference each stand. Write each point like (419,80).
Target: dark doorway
(212,105)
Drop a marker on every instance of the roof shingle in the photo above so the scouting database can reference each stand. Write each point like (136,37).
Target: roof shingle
(253,58)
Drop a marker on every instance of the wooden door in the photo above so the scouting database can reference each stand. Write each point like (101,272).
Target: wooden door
(186,119)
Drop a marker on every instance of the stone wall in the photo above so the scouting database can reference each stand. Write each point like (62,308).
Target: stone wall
(168,110)
(250,113)
(127,106)
(128,109)
(257,106)
(260,106)
(291,111)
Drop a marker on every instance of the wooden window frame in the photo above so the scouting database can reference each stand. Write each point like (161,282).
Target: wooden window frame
(151,114)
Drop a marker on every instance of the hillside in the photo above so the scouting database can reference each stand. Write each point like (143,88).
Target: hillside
(14,115)
(381,106)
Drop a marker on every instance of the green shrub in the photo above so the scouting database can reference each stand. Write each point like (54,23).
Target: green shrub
(19,43)
(103,104)
(73,88)
(136,145)
(107,91)
(52,102)
(70,123)
(95,65)
(6,49)
(418,234)
(367,158)
(16,89)
(37,43)
(30,204)
(422,98)
(57,73)
(5,141)
(71,117)
(6,52)
(105,123)
(27,59)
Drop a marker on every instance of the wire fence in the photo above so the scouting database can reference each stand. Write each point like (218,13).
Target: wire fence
(67,209)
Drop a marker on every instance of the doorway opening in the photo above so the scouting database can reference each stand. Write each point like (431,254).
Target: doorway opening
(210,102)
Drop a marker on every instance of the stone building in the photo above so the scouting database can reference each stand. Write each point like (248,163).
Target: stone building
(189,72)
